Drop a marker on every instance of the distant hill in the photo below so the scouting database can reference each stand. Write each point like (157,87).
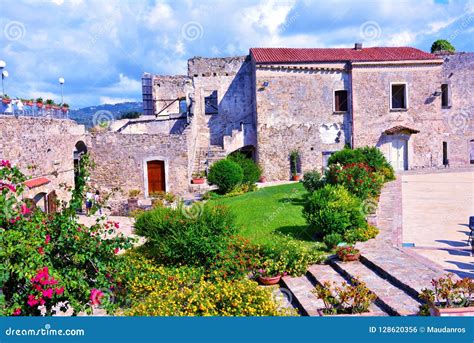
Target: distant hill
(86,115)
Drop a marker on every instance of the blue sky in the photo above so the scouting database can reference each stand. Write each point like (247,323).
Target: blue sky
(102,48)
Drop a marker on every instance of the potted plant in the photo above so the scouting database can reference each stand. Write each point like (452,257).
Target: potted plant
(133,199)
(29,102)
(270,272)
(199,178)
(56,107)
(344,298)
(262,179)
(294,157)
(39,102)
(450,297)
(348,253)
(65,107)
(49,104)
(6,99)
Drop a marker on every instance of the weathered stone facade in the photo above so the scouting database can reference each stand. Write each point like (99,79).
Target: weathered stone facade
(42,147)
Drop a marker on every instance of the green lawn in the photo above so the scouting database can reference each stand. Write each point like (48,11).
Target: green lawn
(267,213)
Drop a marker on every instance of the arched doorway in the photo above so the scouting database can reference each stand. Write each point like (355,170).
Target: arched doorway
(79,149)
(40,200)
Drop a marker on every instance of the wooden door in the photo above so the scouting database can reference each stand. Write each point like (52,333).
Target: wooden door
(52,201)
(156,176)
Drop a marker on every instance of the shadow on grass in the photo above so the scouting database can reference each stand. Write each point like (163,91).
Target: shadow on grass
(299,232)
(293,201)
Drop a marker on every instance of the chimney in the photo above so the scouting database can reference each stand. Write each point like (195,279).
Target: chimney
(358,46)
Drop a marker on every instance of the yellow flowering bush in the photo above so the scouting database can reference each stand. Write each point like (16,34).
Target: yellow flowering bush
(209,298)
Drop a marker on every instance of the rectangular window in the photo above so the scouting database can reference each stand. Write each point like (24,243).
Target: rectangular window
(445,154)
(340,101)
(445,95)
(399,96)
(210,103)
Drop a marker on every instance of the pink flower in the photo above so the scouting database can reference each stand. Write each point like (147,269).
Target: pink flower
(47,239)
(5,163)
(60,290)
(48,293)
(116,250)
(116,225)
(42,301)
(17,312)
(95,296)
(32,301)
(24,209)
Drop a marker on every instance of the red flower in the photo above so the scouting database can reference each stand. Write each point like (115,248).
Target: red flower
(5,163)
(116,250)
(60,290)
(95,296)
(116,225)
(41,250)
(17,312)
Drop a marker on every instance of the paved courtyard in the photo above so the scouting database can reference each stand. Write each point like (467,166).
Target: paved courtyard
(436,210)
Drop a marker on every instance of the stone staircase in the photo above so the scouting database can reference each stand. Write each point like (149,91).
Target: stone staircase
(205,157)
(393,299)
(394,274)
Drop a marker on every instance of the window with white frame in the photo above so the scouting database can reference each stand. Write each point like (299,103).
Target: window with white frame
(398,96)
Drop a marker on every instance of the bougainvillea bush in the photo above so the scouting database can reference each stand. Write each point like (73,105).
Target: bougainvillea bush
(51,259)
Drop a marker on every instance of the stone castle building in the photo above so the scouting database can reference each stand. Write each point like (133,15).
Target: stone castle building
(415,106)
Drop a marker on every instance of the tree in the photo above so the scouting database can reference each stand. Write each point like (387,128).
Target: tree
(442,45)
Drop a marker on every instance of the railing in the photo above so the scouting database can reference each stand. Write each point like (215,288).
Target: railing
(17,108)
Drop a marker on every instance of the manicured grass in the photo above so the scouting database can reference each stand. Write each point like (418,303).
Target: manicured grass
(267,213)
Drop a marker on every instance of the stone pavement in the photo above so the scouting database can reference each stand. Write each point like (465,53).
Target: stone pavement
(436,209)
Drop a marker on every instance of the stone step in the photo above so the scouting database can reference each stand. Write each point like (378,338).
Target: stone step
(391,298)
(320,273)
(402,269)
(300,288)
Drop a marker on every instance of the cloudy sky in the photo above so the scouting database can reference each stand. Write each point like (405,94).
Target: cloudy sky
(102,47)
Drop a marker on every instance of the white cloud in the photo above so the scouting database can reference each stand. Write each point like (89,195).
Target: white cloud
(112,101)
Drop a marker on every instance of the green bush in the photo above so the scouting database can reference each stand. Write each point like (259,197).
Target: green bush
(186,236)
(292,257)
(251,170)
(332,209)
(372,156)
(333,239)
(361,234)
(226,175)
(312,181)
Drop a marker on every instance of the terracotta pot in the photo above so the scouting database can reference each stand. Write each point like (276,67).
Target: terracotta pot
(351,257)
(198,180)
(451,312)
(56,107)
(48,107)
(269,280)
(29,103)
(132,204)
(65,109)
(6,101)
(296,178)
(39,104)
(262,179)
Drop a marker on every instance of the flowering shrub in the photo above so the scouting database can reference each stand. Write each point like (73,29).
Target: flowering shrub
(48,258)
(343,252)
(361,234)
(358,178)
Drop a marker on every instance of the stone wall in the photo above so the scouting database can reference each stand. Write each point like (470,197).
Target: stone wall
(295,111)
(166,91)
(121,163)
(458,73)
(41,147)
(372,114)
(232,79)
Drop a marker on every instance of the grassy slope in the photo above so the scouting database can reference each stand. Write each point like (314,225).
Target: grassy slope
(269,211)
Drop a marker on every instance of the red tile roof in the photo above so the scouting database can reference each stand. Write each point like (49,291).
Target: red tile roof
(306,55)
(36,182)
(399,129)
